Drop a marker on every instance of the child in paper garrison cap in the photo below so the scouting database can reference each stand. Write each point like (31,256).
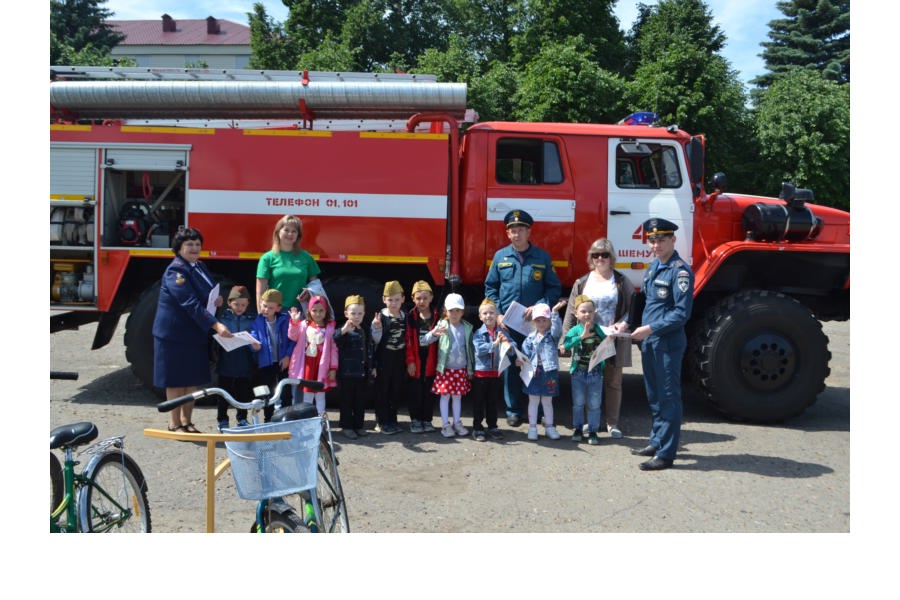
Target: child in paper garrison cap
(389,334)
(421,359)
(355,367)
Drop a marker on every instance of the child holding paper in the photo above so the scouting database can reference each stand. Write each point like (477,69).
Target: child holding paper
(540,350)
(236,367)
(587,375)
(487,383)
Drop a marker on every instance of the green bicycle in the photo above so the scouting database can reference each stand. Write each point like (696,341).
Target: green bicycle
(108,496)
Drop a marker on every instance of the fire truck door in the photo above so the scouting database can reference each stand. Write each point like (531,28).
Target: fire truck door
(648,179)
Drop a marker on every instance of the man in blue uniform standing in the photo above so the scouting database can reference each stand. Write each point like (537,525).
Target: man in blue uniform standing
(669,289)
(523,273)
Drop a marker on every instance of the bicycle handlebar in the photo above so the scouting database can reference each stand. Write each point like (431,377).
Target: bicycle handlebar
(73,375)
(255,404)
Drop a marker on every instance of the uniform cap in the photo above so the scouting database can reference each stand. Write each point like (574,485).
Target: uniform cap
(238,291)
(391,288)
(518,217)
(540,310)
(421,286)
(656,227)
(354,299)
(454,301)
(272,295)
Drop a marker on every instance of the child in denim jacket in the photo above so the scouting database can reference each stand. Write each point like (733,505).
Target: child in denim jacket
(540,348)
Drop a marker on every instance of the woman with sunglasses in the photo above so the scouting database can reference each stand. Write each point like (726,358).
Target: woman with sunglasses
(611,294)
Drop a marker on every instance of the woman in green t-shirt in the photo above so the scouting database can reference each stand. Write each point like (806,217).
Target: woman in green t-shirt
(286,267)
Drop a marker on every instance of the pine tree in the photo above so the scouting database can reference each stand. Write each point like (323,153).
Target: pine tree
(815,35)
(78,27)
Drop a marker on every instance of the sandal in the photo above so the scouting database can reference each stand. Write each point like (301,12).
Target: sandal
(178,428)
(189,428)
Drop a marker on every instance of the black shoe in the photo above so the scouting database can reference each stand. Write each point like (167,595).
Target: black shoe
(513,420)
(645,451)
(655,464)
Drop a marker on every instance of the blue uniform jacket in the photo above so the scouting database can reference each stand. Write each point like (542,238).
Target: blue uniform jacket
(487,356)
(356,354)
(546,348)
(181,314)
(261,332)
(528,283)
(240,362)
(669,289)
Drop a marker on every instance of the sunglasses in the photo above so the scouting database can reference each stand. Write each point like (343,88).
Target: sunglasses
(596,255)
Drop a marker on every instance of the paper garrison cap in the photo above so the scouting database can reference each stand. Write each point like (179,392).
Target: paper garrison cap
(656,227)
(421,286)
(272,295)
(391,288)
(518,217)
(354,299)
(581,299)
(488,302)
(238,291)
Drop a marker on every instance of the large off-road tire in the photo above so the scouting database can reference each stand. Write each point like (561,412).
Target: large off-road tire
(338,288)
(139,337)
(761,356)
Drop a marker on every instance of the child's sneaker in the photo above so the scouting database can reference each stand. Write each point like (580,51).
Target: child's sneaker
(577,435)
(447,431)
(495,433)
(615,433)
(459,429)
(532,433)
(361,432)
(416,427)
(427,427)
(223,425)
(349,433)
(593,440)
(551,432)
(243,423)
(479,436)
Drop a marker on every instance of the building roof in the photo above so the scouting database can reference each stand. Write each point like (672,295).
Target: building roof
(185,32)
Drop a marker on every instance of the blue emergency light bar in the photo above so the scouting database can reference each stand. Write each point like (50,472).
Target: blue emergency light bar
(640,118)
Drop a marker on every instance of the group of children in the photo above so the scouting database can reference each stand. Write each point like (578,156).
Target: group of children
(419,355)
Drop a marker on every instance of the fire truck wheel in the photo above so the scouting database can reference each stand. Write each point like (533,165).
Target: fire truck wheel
(139,337)
(762,356)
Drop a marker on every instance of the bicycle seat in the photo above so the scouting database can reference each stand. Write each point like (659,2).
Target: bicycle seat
(73,435)
(295,412)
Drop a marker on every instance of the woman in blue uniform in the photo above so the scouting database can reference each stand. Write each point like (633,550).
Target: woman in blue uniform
(182,326)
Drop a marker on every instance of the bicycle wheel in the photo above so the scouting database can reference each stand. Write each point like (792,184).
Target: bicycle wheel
(114,499)
(56,482)
(330,495)
(283,521)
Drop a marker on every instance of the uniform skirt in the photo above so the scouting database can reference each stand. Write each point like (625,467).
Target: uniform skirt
(452,382)
(176,364)
(543,383)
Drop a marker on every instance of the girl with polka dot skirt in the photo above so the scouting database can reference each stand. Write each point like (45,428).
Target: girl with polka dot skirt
(455,363)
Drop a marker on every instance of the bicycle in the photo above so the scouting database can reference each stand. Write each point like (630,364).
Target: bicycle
(108,496)
(295,481)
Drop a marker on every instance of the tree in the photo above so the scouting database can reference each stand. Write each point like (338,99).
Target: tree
(272,48)
(814,35)
(563,83)
(803,125)
(681,76)
(79,33)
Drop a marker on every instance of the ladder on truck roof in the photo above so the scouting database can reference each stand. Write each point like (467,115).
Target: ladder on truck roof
(246,98)
(71,73)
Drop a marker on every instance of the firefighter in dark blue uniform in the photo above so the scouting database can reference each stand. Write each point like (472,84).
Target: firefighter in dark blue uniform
(523,273)
(669,289)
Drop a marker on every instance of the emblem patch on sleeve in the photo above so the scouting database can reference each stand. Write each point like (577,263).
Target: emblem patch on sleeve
(684,281)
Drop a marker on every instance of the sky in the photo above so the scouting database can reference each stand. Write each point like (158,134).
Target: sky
(744,23)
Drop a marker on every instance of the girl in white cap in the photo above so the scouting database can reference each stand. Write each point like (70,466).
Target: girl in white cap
(455,363)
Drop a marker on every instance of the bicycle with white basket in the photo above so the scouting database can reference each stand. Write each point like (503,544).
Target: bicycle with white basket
(295,480)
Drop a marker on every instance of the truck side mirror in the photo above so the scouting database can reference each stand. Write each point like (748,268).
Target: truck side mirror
(696,158)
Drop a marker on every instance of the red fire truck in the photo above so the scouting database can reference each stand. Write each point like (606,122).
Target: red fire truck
(389,187)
